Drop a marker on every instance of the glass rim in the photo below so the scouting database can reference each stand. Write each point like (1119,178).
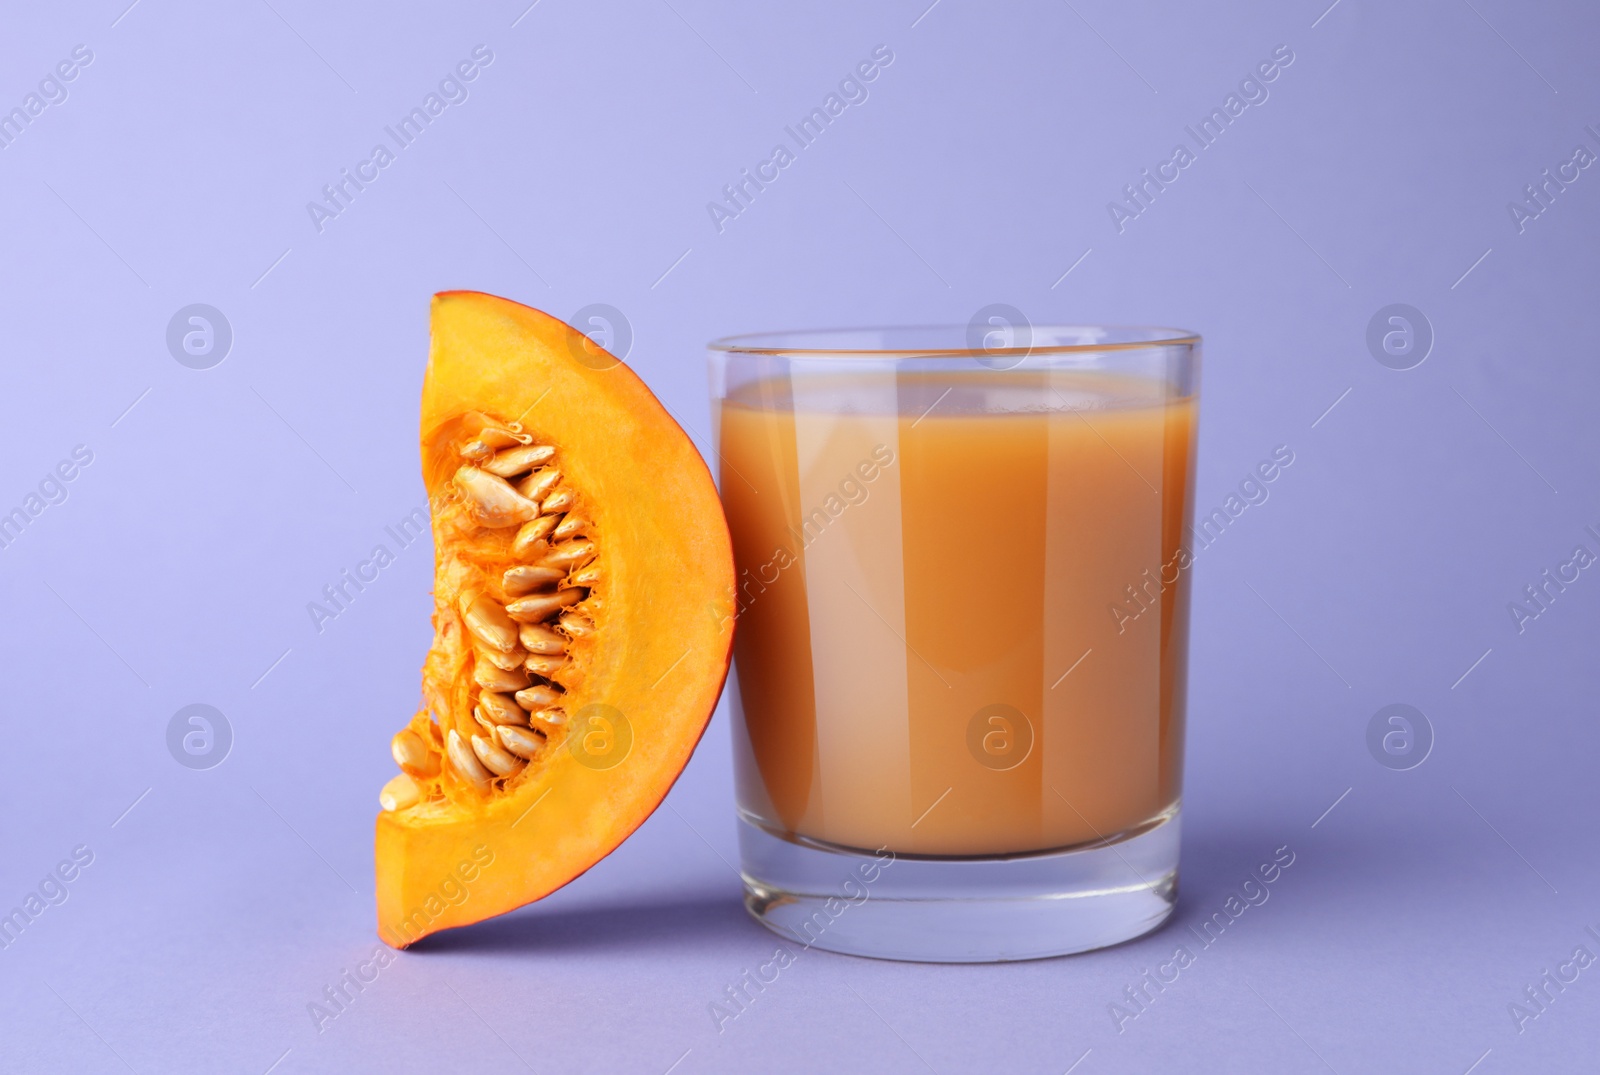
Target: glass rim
(809,343)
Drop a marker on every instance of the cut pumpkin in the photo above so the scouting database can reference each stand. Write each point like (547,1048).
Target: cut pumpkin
(583,616)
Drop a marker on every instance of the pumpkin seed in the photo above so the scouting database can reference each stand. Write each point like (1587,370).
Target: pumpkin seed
(569,554)
(536,485)
(538,697)
(491,678)
(492,501)
(577,624)
(545,664)
(518,460)
(497,437)
(530,540)
(522,742)
(489,719)
(554,716)
(537,638)
(503,661)
(570,526)
(485,435)
(525,578)
(488,622)
(557,502)
(399,793)
(494,759)
(465,763)
(413,755)
(540,607)
(500,709)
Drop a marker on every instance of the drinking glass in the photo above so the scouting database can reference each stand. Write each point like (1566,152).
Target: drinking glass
(960,659)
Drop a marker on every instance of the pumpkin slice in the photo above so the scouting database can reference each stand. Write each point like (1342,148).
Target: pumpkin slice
(583,614)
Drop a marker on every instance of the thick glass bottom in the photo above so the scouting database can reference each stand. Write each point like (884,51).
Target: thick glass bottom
(960,910)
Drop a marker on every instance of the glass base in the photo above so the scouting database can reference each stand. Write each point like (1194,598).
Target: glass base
(960,910)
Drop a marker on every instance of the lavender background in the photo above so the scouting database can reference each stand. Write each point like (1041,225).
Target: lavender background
(219,502)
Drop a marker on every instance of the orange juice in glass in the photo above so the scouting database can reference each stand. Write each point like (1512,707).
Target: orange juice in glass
(959,676)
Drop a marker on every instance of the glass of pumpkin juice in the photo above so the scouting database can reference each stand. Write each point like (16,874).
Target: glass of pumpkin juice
(963,591)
